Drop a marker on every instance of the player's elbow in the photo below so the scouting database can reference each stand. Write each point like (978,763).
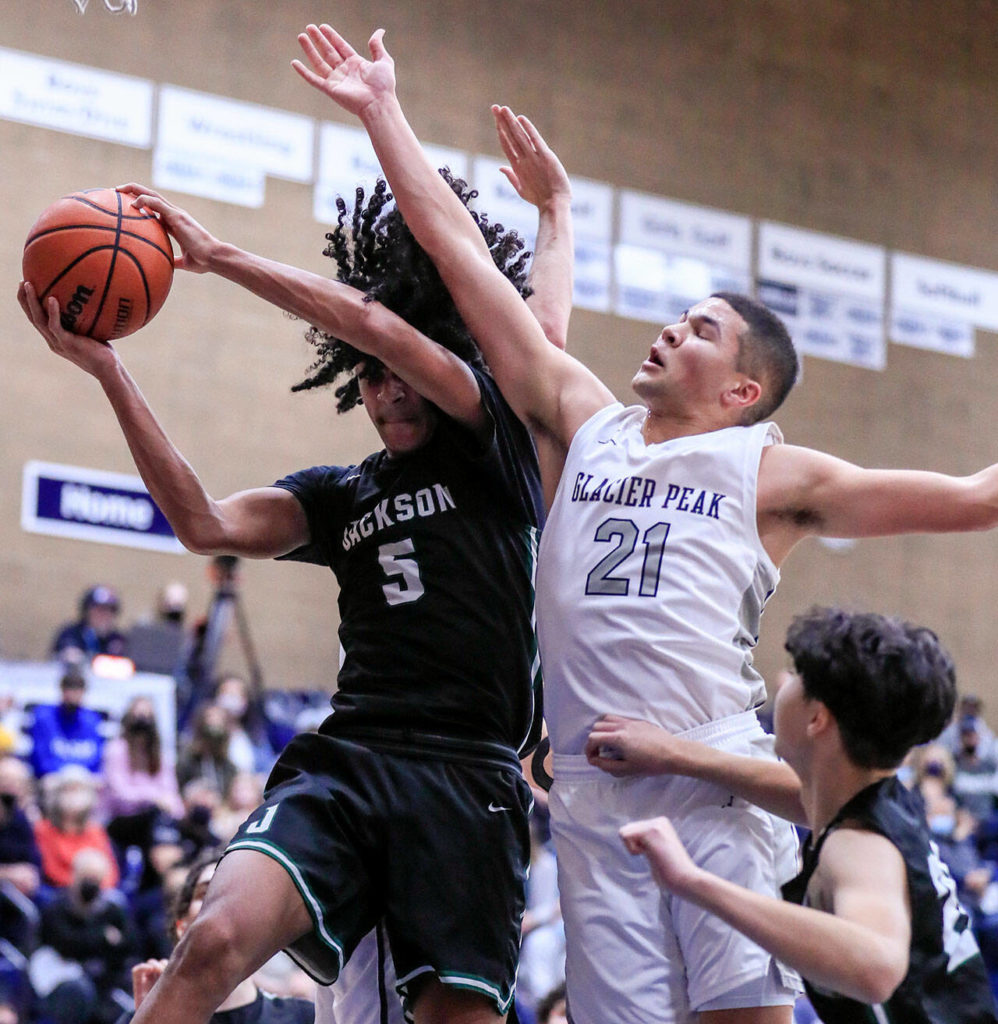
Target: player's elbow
(879,976)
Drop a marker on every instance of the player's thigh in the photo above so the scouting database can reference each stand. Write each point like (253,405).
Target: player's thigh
(436,1003)
(749,1015)
(623,963)
(256,898)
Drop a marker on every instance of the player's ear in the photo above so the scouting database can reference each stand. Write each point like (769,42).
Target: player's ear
(745,392)
(820,719)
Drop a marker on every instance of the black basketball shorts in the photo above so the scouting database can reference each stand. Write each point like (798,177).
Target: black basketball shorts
(434,843)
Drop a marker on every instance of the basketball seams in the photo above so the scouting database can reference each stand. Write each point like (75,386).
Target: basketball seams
(101,294)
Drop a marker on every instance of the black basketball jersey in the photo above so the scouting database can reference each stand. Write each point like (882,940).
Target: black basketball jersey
(434,552)
(947,982)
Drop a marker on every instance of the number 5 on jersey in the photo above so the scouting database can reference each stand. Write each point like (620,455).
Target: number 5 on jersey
(393,561)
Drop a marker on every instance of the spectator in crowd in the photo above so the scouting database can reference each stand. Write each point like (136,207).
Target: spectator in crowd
(975,768)
(201,801)
(80,970)
(66,733)
(206,754)
(20,861)
(159,644)
(249,747)
(552,1009)
(254,1006)
(245,795)
(9,1012)
(95,631)
(969,705)
(138,773)
(70,826)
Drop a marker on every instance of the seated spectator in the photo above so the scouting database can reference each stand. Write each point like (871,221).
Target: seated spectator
(94,632)
(974,777)
(81,969)
(196,827)
(969,705)
(249,747)
(20,861)
(552,1008)
(205,755)
(66,733)
(252,1005)
(138,773)
(159,644)
(69,826)
(244,796)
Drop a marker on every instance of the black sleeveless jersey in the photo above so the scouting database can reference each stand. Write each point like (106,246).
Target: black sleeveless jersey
(947,982)
(434,553)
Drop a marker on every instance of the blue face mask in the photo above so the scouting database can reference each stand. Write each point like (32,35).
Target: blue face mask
(942,824)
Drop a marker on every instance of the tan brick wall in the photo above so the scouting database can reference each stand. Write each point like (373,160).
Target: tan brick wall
(872,120)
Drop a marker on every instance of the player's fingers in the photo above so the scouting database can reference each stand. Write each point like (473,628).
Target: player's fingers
(307,73)
(332,40)
(311,51)
(536,139)
(376,44)
(511,177)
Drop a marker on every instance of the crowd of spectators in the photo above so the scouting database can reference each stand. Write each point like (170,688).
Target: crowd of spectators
(102,817)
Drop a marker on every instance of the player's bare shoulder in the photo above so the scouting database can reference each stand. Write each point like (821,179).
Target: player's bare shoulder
(785,508)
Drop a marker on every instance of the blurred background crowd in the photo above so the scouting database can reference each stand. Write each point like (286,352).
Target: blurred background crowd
(103,814)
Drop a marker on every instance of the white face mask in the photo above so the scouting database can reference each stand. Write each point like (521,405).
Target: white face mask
(233,703)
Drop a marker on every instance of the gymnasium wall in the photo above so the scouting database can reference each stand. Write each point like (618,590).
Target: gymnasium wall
(870,119)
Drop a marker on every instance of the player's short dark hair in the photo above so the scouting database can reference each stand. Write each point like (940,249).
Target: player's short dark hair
(376,253)
(890,685)
(185,894)
(766,353)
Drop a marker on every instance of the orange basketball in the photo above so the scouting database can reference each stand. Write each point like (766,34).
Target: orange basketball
(109,264)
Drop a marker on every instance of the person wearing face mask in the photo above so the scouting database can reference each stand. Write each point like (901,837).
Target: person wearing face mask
(974,777)
(249,748)
(69,826)
(206,753)
(20,861)
(80,970)
(67,732)
(138,772)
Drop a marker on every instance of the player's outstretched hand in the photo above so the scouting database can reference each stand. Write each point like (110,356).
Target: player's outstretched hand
(627,746)
(87,353)
(656,839)
(197,245)
(336,69)
(534,170)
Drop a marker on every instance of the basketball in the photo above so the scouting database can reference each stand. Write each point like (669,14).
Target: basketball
(108,263)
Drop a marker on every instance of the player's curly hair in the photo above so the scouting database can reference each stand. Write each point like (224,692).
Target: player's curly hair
(376,253)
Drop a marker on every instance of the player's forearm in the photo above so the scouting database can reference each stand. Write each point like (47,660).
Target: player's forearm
(169,478)
(331,306)
(551,272)
(827,950)
(772,785)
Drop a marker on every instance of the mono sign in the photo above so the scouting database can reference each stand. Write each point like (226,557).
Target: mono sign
(89,504)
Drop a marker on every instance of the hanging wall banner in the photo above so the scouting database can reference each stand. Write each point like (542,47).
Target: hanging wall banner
(830,291)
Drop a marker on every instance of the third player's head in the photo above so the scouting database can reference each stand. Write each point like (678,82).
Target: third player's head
(375,252)
(889,685)
(728,360)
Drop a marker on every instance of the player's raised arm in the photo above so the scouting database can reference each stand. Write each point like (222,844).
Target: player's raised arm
(802,491)
(538,177)
(548,390)
(260,523)
(335,308)
(860,949)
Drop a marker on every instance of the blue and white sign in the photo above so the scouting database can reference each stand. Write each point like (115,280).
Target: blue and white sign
(90,504)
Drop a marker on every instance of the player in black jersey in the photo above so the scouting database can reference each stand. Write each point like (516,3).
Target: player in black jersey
(880,934)
(409,806)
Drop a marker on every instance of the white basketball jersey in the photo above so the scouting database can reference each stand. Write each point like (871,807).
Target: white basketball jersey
(651,578)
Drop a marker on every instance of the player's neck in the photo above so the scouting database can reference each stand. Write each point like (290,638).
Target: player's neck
(667,425)
(242,995)
(826,789)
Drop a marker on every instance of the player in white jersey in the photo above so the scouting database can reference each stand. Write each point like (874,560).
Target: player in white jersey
(726,365)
